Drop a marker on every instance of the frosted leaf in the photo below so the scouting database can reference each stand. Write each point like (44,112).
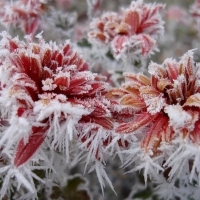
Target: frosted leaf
(193,100)
(179,118)
(153,99)
(157,70)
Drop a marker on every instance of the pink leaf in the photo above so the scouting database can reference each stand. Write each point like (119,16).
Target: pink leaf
(132,18)
(119,44)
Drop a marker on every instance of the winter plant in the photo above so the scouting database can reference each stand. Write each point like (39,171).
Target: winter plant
(81,91)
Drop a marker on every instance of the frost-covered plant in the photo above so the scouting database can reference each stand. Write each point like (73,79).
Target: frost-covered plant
(130,32)
(166,121)
(58,117)
(49,98)
(24,13)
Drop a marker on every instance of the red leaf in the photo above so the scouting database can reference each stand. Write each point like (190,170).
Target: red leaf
(137,123)
(153,137)
(195,134)
(99,36)
(25,151)
(74,59)
(172,70)
(46,74)
(96,87)
(105,122)
(20,111)
(13,45)
(100,26)
(62,81)
(35,70)
(59,59)
(46,60)
(75,81)
(67,50)
(25,63)
(83,66)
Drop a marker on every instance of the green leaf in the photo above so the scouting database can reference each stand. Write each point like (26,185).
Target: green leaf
(84,43)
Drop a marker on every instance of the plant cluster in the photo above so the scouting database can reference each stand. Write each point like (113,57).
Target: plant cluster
(77,90)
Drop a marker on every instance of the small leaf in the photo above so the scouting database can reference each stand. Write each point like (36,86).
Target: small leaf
(141,120)
(153,138)
(25,151)
(132,18)
(163,83)
(193,100)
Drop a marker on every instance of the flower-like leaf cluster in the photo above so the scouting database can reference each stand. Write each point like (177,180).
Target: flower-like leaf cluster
(52,101)
(166,120)
(133,30)
(24,13)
